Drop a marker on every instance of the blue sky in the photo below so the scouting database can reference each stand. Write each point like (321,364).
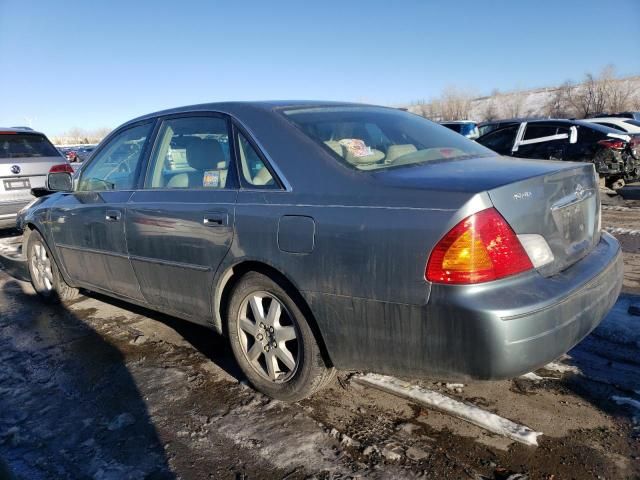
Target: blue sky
(90,64)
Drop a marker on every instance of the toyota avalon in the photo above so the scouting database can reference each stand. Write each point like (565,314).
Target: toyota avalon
(318,236)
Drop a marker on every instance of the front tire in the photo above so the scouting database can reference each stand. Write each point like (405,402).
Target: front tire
(272,341)
(45,275)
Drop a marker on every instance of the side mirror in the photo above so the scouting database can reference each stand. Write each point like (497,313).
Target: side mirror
(59,182)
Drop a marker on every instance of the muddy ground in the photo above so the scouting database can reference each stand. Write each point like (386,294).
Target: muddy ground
(101,389)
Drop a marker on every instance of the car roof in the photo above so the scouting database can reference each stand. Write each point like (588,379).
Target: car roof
(562,121)
(607,119)
(19,130)
(238,107)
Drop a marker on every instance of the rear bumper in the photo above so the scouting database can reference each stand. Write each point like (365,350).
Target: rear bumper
(490,331)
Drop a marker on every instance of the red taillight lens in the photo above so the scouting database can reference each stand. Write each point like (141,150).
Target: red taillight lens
(613,143)
(480,248)
(63,167)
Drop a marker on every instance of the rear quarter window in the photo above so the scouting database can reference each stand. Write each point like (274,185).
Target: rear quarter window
(23,145)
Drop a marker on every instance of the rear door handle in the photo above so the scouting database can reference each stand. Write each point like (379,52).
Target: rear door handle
(113,216)
(218,219)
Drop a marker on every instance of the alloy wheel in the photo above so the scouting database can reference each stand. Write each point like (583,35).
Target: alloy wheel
(268,337)
(41,268)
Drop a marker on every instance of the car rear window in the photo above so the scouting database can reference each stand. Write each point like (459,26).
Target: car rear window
(20,145)
(371,138)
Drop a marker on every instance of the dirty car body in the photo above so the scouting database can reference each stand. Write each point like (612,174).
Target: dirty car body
(346,206)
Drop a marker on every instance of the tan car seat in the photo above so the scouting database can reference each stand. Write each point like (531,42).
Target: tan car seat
(202,155)
(396,151)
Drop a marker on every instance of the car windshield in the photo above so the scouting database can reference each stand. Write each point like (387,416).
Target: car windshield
(371,138)
(18,145)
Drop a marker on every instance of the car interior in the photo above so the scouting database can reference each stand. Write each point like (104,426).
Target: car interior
(201,160)
(366,147)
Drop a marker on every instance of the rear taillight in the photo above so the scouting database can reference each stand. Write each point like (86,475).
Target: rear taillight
(613,143)
(480,248)
(63,167)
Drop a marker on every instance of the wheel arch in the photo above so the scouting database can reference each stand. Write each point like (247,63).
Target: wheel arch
(233,274)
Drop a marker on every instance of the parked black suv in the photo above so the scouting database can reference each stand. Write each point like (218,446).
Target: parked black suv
(615,154)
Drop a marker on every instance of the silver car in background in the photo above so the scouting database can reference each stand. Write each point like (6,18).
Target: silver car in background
(26,157)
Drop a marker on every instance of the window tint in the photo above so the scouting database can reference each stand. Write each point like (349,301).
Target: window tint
(406,138)
(18,145)
(500,140)
(456,127)
(254,172)
(536,131)
(115,166)
(192,153)
(590,135)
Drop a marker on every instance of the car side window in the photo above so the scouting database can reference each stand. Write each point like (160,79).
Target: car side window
(500,140)
(539,131)
(191,152)
(254,171)
(115,166)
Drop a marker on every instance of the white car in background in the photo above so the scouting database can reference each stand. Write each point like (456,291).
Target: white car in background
(627,125)
(26,157)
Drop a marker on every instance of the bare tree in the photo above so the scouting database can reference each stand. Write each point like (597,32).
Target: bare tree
(490,111)
(79,136)
(558,105)
(514,104)
(454,104)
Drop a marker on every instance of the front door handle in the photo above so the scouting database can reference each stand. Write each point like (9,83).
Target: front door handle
(218,219)
(113,216)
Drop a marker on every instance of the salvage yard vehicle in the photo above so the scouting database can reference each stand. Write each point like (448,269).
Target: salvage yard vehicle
(627,125)
(615,154)
(26,157)
(330,235)
(467,128)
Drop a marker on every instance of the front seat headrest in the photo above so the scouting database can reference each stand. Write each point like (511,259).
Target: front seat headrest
(204,154)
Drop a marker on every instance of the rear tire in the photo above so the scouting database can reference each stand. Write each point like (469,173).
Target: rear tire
(45,275)
(272,341)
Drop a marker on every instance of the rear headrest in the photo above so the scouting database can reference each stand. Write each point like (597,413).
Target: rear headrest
(204,154)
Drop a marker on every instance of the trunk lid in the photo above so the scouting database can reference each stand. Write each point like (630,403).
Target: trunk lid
(556,199)
(562,206)
(28,166)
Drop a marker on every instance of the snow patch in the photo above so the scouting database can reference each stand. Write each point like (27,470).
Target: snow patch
(465,411)
(619,327)
(454,386)
(562,368)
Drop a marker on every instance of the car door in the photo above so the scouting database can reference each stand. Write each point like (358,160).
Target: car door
(180,225)
(88,225)
(542,140)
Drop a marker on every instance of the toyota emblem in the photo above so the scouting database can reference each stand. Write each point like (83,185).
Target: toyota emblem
(16,169)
